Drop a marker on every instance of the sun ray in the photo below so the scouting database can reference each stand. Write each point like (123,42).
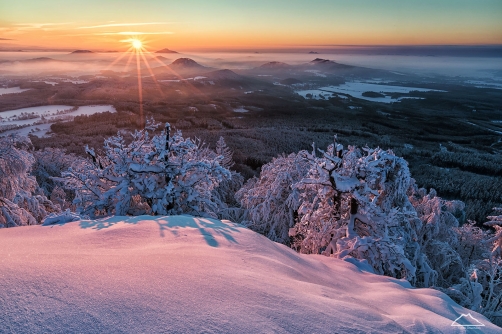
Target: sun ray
(118,59)
(138,50)
(173,72)
(140,90)
(151,72)
(126,66)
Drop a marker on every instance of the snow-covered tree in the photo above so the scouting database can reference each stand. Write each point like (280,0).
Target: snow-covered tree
(271,206)
(438,234)
(491,272)
(48,167)
(21,200)
(225,192)
(158,175)
(496,222)
(50,163)
(354,203)
(223,150)
(363,204)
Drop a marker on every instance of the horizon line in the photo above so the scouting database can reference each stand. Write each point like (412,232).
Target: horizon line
(13,48)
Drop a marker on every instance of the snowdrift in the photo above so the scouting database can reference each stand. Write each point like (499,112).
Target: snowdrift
(184,274)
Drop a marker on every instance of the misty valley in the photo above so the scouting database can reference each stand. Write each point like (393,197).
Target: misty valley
(448,128)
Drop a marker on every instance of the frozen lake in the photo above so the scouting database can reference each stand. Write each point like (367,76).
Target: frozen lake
(37,120)
(356,89)
(12,90)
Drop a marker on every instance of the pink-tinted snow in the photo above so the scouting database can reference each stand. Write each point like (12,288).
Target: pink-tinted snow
(183,274)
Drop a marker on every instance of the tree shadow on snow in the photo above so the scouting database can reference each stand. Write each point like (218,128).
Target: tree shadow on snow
(207,227)
(204,225)
(102,223)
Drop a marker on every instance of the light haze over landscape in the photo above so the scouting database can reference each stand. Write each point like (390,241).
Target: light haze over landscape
(251,166)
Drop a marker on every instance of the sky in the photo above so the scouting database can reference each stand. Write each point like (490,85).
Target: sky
(245,24)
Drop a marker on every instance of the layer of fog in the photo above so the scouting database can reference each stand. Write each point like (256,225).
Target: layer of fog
(15,63)
(422,65)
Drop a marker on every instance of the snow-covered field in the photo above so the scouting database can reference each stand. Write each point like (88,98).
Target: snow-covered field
(240,109)
(182,274)
(316,73)
(12,90)
(31,118)
(484,84)
(75,81)
(356,89)
(52,83)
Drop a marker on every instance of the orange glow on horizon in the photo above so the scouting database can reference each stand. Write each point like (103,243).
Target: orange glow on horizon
(225,25)
(232,40)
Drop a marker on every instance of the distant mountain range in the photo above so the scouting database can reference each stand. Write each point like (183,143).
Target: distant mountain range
(81,52)
(328,64)
(179,67)
(223,75)
(165,51)
(185,67)
(319,67)
(275,65)
(228,78)
(39,60)
(272,73)
(185,63)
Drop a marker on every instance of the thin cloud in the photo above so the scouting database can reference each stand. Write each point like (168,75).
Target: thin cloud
(133,33)
(124,25)
(41,25)
(6,39)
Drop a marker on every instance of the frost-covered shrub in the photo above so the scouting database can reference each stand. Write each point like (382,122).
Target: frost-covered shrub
(437,234)
(363,204)
(271,207)
(61,218)
(355,204)
(50,163)
(225,192)
(158,175)
(21,200)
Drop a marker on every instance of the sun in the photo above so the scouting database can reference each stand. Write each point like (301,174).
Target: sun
(136,43)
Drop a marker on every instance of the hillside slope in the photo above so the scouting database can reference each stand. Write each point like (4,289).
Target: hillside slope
(185,274)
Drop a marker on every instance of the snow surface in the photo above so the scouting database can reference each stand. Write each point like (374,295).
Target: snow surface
(356,89)
(51,113)
(75,82)
(484,84)
(184,274)
(316,73)
(12,90)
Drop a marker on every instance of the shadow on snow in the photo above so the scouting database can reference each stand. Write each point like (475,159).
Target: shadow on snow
(207,227)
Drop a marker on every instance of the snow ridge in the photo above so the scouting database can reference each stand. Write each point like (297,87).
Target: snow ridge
(188,274)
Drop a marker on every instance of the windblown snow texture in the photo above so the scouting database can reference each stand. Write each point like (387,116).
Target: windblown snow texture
(183,274)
